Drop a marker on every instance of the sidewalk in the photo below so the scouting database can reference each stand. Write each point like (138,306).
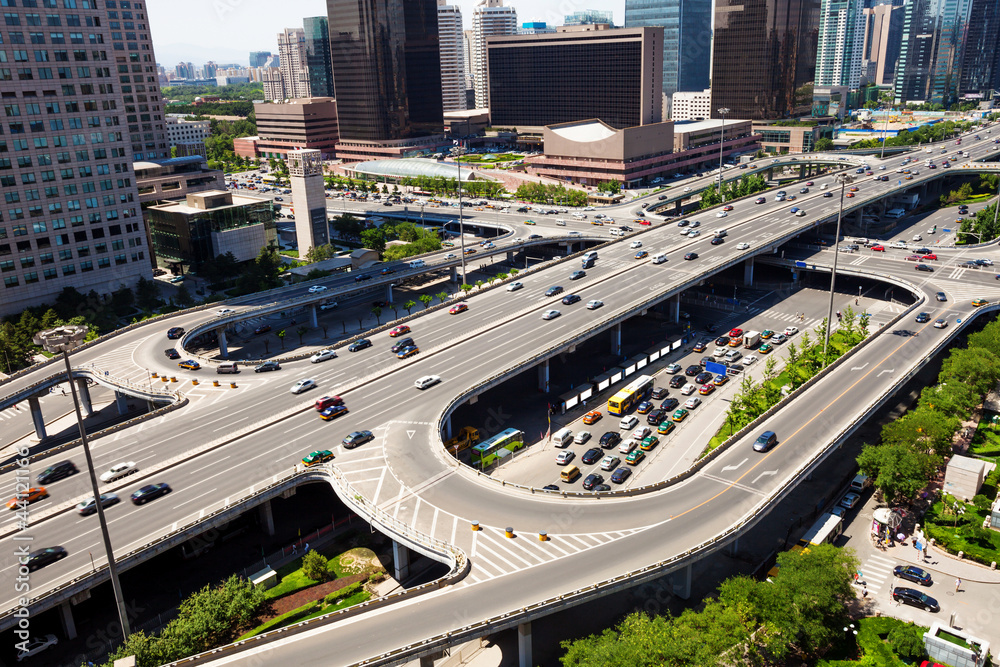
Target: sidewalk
(940,561)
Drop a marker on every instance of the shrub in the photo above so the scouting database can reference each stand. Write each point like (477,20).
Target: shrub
(314,566)
(981,501)
(343,593)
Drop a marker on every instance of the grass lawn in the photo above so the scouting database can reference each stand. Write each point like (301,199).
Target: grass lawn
(291,578)
(290,253)
(964,532)
(986,442)
(878,643)
(313,609)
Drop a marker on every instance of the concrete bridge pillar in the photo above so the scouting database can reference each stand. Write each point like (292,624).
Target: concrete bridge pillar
(748,272)
(313,322)
(616,340)
(66,616)
(121,402)
(678,206)
(510,256)
(81,386)
(674,309)
(388,293)
(401,561)
(267,518)
(453,277)
(447,428)
(569,248)
(543,376)
(802,171)
(429,660)
(223,343)
(770,173)
(681,580)
(524,645)
(36,417)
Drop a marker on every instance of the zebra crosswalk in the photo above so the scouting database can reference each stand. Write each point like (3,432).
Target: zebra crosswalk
(876,573)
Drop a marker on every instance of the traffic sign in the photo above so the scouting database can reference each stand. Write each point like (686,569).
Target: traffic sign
(715,368)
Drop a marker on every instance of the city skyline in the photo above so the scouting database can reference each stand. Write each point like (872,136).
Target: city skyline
(254,26)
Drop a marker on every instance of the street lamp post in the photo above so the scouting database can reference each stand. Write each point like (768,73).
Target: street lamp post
(458,151)
(885,135)
(722,140)
(844,179)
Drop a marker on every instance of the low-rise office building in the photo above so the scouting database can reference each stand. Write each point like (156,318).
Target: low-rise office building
(181,130)
(296,124)
(790,136)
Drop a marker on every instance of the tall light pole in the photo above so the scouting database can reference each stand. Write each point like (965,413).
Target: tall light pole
(722,140)
(843,178)
(63,340)
(885,135)
(458,151)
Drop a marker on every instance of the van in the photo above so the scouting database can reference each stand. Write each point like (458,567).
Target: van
(617,232)
(859,483)
(590,254)
(561,223)
(417,264)
(562,438)
(658,259)
(227,367)
(588,263)
(720,233)
(580,216)
(569,473)
(895,213)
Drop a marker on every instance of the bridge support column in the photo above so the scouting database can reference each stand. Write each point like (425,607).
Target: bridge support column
(569,249)
(616,340)
(312,316)
(674,309)
(733,547)
(66,616)
(543,377)
(121,402)
(510,260)
(524,645)
(429,660)
(447,428)
(678,207)
(453,277)
(802,171)
(84,391)
(858,220)
(223,344)
(388,293)
(748,272)
(681,580)
(36,417)
(267,518)
(401,561)
(770,173)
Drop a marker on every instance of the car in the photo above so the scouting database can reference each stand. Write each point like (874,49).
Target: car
(570,299)
(45,556)
(749,359)
(795,209)
(766,334)
(594,304)
(940,296)
(727,207)
(672,369)
(923,317)
(610,462)
(149,492)
(692,370)
(576,275)
(628,421)
(720,380)
(469,251)
(680,414)
(55,472)
(688,389)
(362,278)
(323,355)
(35,645)
(264,328)
(930,256)
(644,407)
(721,214)
(302,385)
(649,443)
(924,267)
(592,417)
(534,237)
(980,302)
(458,308)
(790,331)
(224,311)
(940,323)
(691,255)
(267,366)
(765,441)
(176,279)
(827,194)
(635,244)
(912,573)
(89,506)
(172,354)
(563,458)
(878,248)
(119,470)
(693,233)
(552,291)
(327,402)
(399,330)
(452,255)
(683,223)
(665,427)
(722,341)
(849,500)
(677,382)
(530,223)
(550,314)
(915,598)
(581,437)
(609,439)
(765,348)
(658,393)
(621,475)
(317,457)
(278,199)
(641,432)
(322,288)
(705,389)
(407,351)
(735,332)
(31,495)
(703,377)
(514,286)
(700,346)
(189,364)
(912,258)
(778,338)
(593,481)
(592,456)
(669,404)
(332,412)
(655,417)
(760,200)
(357,438)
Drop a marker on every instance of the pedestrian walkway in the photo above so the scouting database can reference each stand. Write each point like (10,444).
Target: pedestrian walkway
(876,573)
(940,563)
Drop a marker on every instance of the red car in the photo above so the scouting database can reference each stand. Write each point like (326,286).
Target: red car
(458,308)
(878,248)
(645,222)
(850,194)
(727,207)
(399,331)
(930,256)
(328,402)
(736,333)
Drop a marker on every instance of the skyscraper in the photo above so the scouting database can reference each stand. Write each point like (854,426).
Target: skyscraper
(883,34)
(590,16)
(687,40)
(930,54)
(841,43)
(319,65)
(259,58)
(980,71)
(468,38)
(292,52)
(489,18)
(452,56)
(386,68)
(764,58)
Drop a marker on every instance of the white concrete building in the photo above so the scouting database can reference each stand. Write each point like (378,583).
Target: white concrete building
(451,48)
(292,55)
(691,106)
(305,173)
(489,18)
(180,130)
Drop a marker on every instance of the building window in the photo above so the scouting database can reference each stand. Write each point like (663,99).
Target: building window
(10,281)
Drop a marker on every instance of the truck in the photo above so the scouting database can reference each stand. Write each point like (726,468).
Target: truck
(826,529)
(751,339)
(465,438)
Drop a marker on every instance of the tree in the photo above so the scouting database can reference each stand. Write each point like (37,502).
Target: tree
(442,296)
(374,239)
(281,338)
(898,471)
(183,297)
(314,565)
(924,429)
(426,300)
(465,287)
(976,367)
(301,331)
(408,306)
(823,144)
(377,312)
(147,294)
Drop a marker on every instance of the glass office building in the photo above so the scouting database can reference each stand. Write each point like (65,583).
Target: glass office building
(981,59)
(930,57)
(319,65)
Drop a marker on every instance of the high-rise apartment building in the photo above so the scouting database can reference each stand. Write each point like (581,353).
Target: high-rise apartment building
(468,38)
(883,34)
(386,68)
(980,71)
(259,58)
(764,58)
(209,69)
(687,41)
(294,72)
(71,215)
(538,80)
(489,18)
(841,43)
(319,64)
(590,16)
(930,54)
(452,45)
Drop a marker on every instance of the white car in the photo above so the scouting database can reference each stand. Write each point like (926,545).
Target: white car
(720,351)
(322,355)
(450,255)
(742,246)
(918,237)
(692,403)
(588,208)
(688,389)
(594,304)
(303,385)
(628,422)
(224,311)
(749,359)
(721,214)
(627,446)
(610,462)
(36,645)
(563,458)
(849,500)
(931,231)
(518,240)
(427,381)
(636,244)
(687,188)
(800,213)
(514,286)
(673,369)
(985,261)
(581,437)
(550,314)
(790,331)
(693,233)
(317,288)
(640,433)
(120,470)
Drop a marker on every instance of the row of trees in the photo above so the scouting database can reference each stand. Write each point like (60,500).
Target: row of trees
(981,227)
(914,447)
(921,135)
(542,193)
(219,145)
(735,189)
(236,108)
(235,91)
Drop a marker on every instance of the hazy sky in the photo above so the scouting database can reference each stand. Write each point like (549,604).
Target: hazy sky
(227,30)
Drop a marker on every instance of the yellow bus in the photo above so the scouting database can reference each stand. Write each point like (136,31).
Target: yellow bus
(636,391)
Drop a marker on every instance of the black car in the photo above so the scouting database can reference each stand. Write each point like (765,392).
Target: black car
(683,223)
(551,487)
(670,404)
(915,598)
(175,333)
(940,296)
(722,341)
(552,291)
(925,267)
(677,381)
(172,354)
(362,278)
(621,474)
(703,378)
(717,240)
(691,255)
(658,393)
(711,327)
(705,361)
(56,472)
(150,492)
(609,440)
(357,438)
(656,416)
(593,479)
(576,275)
(592,456)
(570,299)
(380,304)
(532,237)
(359,345)
(406,342)
(625,228)
(922,251)
(912,573)
(828,194)
(42,557)
(267,366)
(923,317)
(601,487)
(692,370)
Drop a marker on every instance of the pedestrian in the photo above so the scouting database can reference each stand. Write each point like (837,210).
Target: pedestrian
(864,593)
(306,548)
(958,585)
(855,302)
(295,548)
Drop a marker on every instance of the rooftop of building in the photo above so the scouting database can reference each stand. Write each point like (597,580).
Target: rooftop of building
(467,113)
(204,197)
(297,100)
(682,127)
(584,130)
(412,168)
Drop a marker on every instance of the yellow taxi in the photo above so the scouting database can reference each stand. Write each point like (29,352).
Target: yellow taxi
(980,302)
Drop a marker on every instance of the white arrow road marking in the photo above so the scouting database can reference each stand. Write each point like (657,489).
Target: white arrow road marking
(859,368)
(886,370)
(728,468)
(766,473)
